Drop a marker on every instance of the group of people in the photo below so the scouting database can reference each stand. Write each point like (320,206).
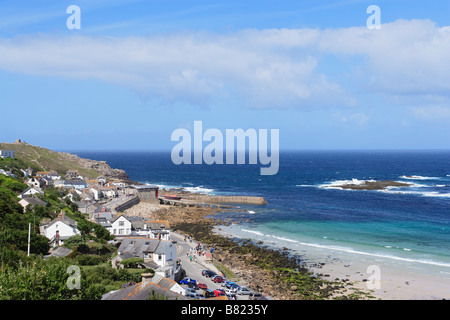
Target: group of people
(197,251)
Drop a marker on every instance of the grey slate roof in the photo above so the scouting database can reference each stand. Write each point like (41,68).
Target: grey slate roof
(59,252)
(137,247)
(66,220)
(141,292)
(34,201)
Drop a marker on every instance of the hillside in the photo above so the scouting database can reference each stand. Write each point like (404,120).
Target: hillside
(61,162)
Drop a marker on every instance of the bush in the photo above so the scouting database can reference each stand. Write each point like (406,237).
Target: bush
(131,262)
(89,259)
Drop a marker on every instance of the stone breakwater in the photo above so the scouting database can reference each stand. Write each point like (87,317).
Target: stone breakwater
(225,199)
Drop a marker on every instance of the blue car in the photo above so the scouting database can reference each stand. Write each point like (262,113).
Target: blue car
(188,280)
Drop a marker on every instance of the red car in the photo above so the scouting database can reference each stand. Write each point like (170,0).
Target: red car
(219,279)
(219,292)
(202,286)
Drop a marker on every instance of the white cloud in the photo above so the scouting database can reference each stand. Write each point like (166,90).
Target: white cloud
(273,68)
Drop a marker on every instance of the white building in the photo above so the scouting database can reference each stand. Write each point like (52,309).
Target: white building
(120,225)
(60,229)
(30,191)
(151,229)
(7,153)
(158,255)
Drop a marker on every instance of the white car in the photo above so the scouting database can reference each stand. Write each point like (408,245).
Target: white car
(243,290)
(230,292)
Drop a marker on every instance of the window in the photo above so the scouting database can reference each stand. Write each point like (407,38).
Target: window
(159,257)
(120,231)
(121,223)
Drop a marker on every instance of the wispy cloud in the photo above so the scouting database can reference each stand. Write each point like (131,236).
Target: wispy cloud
(273,68)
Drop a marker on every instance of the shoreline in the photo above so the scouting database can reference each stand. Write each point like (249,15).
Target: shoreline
(399,280)
(271,271)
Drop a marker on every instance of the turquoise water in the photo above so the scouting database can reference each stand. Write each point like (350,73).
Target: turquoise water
(304,205)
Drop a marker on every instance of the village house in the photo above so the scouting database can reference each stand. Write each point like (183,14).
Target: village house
(168,284)
(31,201)
(151,229)
(159,255)
(60,229)
(7,154)
(30,191)
(122,225)
(7,173)
(142,290)
(68,184)
(109,191)
(36,182)
(86,206)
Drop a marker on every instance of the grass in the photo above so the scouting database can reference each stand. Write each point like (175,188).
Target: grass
(47,159)
(227,272)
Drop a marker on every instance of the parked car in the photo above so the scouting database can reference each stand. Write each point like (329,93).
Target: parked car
(199,296)
(193,285)
(219,279)
(243,290)
(191,295)
(230,292)
(229,284)
(256,296)
(202,286)
(219,292)
(190,290)
(187,281)
(208,293)
(208,273)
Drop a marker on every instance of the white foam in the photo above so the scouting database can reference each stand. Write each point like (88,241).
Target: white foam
(251,211)
(419,178)
(199,189)
(254,232)
(351,250)
(339,183)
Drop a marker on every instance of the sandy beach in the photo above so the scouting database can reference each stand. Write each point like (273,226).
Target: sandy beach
(399,280)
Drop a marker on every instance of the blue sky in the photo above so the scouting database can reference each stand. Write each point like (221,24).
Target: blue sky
(137,70)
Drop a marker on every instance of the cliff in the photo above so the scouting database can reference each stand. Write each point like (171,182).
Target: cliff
(61,162)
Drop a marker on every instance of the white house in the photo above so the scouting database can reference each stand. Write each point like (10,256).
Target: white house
(60,229)
(30,191)
(96,193)
(151,229)
(120,225)
(109,192)
(160,255)
(36,182)
(7,154)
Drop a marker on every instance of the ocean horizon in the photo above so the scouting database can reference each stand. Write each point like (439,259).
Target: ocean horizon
(306,207)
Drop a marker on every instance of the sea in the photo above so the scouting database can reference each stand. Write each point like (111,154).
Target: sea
(307,208)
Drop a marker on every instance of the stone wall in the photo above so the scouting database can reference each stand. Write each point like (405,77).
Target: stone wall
(127,204)
(225,199)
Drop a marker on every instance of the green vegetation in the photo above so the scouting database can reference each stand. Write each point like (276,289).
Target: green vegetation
(32,277)
(44,159)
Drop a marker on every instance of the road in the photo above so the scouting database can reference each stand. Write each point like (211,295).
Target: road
(194,269)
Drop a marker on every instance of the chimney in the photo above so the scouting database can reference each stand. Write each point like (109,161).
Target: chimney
(60,216)
(146,278)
